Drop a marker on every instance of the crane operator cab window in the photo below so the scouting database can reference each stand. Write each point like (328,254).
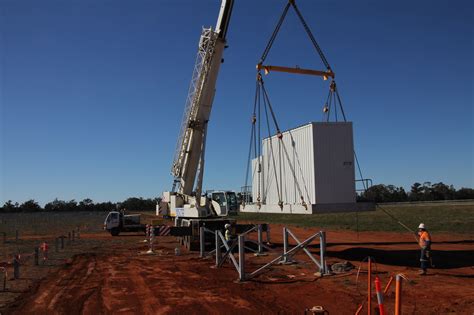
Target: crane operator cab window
(232,198)
(220,199)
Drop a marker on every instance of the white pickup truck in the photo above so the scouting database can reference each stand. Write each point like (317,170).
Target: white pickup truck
(117,222)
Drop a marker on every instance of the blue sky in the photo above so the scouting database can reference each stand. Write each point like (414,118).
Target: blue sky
(92,92)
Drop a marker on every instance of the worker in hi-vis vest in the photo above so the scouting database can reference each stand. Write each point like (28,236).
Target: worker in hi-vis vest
(424,240)
(228,232)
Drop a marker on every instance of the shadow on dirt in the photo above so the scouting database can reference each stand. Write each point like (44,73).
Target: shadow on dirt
(444,259)
(399,243)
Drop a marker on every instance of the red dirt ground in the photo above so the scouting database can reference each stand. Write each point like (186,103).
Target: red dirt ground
(122,280)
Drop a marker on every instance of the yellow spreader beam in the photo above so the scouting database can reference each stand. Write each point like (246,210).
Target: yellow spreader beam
(268,69)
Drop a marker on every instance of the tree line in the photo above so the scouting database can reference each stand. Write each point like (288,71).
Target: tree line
(378,193)
(418,192)
(130,204)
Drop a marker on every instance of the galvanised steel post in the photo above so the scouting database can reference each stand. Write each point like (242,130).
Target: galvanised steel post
(285,245)
(16,267)
(241,257)
(268,233)
(218,249)
(260,238)
(322,248)
(201,242)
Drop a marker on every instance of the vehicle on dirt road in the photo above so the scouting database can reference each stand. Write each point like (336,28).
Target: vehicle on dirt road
(117,222)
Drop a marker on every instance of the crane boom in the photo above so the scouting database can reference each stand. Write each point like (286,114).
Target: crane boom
(189,155)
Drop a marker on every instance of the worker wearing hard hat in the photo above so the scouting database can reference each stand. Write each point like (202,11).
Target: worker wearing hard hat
(424,240)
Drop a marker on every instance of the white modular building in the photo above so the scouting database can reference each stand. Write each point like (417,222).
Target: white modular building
(308,169)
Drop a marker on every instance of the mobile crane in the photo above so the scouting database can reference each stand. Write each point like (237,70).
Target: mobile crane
(186,202)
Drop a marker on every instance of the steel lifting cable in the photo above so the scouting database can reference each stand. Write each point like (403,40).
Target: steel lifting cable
(271,149)
(311,37)
(271,108)
(360,172)
(253,138)
(326,107)
(249,157)
(294,175)
(280,138)
(274,34)
(259,154)
(266,102)
(265,95)
(340,103)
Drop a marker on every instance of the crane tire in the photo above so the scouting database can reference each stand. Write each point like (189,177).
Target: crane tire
(114,231)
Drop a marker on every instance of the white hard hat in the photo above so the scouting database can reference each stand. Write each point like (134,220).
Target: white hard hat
(421,226)
(227,225)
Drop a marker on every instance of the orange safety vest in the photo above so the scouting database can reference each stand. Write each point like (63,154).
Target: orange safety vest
(44,247)
(424,237)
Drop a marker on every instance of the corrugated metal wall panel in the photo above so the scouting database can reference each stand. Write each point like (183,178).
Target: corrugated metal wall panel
(334,162)
(288,167)
(254,180)
(317,162)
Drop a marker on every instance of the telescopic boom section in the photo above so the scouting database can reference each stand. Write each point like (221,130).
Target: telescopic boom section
(189,156)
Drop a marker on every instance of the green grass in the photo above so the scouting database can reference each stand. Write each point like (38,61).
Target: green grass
(447,217)
(44,223)
(437,217)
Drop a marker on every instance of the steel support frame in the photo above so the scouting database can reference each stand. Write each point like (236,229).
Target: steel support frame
(202,242)
(287,253)
(259,243)
(285,256)
(240,265)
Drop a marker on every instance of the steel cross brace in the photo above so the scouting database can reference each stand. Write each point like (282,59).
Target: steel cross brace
(227,247)
(227,253)
(291,251)
(305,249)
